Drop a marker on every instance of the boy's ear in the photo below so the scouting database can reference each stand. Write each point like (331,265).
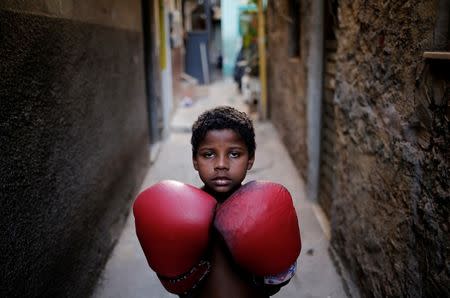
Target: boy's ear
(250,162)
(195,163)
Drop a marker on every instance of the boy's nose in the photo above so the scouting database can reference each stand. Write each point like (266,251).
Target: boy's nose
(221,163)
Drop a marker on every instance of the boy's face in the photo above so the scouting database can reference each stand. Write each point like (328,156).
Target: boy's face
(222,160)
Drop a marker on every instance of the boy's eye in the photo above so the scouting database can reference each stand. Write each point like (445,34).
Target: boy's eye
(235,154)
(208,154)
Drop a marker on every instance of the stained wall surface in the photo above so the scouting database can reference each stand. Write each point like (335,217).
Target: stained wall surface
(73,139)
(286,79)
(391,209)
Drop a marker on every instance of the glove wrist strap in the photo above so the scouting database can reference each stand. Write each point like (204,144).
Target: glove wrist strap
(186,282)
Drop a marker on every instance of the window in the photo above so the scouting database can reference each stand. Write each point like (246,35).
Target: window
(294,28)
(441,34)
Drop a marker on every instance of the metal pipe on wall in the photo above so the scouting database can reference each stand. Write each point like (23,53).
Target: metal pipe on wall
(314,97)
(151,74)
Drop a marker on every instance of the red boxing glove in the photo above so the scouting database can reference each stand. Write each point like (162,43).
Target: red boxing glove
(260,226)
(173,222)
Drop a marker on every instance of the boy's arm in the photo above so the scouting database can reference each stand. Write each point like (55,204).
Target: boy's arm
(267,285)
(273,283)
(271,290)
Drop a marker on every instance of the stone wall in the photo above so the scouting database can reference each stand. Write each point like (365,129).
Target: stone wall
(391,209)
(73,140)
(286,81)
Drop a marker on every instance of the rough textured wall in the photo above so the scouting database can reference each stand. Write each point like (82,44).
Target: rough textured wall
(286,82)
(73,146)
(391,209)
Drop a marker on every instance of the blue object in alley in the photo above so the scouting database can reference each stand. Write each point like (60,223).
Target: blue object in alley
(197,53)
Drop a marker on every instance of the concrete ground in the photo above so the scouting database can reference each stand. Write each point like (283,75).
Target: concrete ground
(127,274)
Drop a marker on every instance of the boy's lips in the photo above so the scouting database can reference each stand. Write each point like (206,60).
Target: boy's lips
(221,181)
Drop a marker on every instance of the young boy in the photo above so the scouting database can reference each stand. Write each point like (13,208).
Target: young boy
(223,150)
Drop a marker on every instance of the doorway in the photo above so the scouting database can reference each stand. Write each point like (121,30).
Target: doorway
(328,128)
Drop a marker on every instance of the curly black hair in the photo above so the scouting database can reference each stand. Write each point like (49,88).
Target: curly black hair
(224,117)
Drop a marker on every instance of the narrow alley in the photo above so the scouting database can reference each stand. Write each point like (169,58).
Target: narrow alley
(350,100)
(127,273)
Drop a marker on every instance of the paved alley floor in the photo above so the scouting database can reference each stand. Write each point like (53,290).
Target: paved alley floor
(127,273)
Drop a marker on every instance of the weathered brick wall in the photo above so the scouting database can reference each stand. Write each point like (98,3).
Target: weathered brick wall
(391,209)
(287,80)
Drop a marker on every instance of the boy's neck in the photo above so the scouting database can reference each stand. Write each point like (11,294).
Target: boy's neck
(220,196)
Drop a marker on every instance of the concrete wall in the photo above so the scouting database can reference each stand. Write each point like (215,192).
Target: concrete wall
(286,82)
(391,210)
(389,213)
(73,140)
